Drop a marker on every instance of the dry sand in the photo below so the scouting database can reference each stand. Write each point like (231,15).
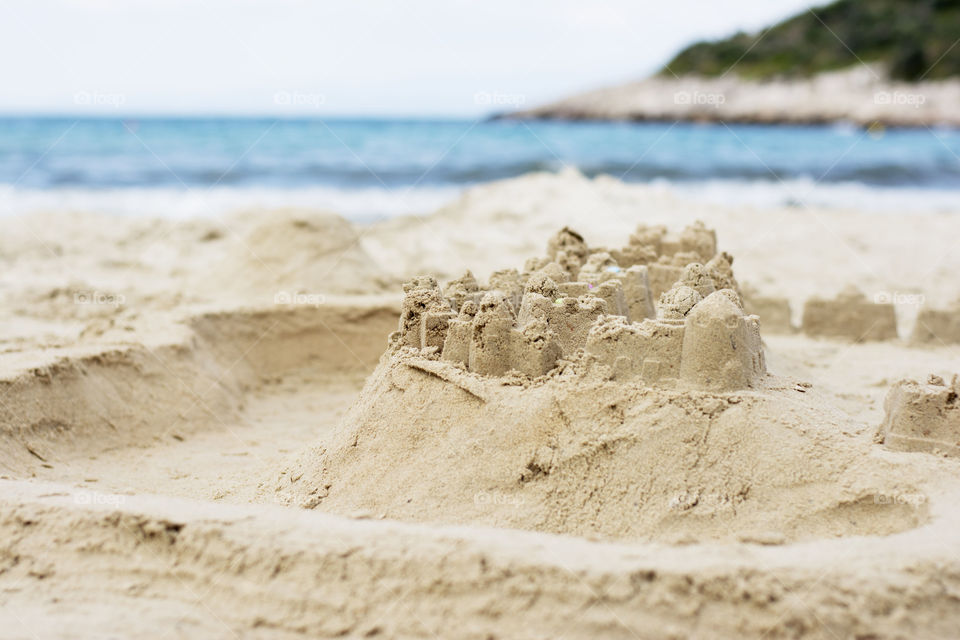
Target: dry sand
(168,389)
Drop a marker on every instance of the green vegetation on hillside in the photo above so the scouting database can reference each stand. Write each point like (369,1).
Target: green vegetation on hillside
(915,39)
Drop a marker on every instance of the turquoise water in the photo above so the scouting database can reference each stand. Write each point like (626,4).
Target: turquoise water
(57,160)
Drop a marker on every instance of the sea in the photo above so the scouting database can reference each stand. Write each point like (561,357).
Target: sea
(368,169)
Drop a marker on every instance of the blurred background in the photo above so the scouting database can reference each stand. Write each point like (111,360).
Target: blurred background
(374,109)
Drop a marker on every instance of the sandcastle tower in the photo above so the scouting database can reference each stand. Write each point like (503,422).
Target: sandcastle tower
(602,268)
(487,339)
(676,303)
(648,244)
(464,288)
(697,277)
(570,318)
(720,268)
(721,346)
(568,249)
(456,345)
(648,350)
(490,340)
(424,314)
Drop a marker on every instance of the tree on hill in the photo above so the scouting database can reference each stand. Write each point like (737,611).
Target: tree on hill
(912,39)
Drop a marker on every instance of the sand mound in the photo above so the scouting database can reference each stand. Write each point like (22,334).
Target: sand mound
(584,456)
(294,252)
(565,416)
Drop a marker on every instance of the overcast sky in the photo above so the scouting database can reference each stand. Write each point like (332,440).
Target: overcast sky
(427,57)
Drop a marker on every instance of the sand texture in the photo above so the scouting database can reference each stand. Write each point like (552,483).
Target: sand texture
(557,407)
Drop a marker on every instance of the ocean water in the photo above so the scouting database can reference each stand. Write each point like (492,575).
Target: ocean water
(371,168)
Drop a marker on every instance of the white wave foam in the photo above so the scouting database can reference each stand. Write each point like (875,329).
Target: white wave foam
(369,204)
(355,204)
(806,192)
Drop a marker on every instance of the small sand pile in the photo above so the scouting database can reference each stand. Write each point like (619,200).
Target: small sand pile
(923,417)
(296,252)
(552,400)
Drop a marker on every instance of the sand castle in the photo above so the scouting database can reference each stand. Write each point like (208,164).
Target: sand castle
(851,316)
(567,397)
(579,301)
(923,417)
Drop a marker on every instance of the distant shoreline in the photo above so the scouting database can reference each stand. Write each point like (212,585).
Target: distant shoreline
(858,96)
(642,119)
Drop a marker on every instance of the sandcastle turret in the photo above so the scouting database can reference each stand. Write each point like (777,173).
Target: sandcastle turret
(568,249)
(462,289)
(456,345)
(636,289)
(721,346)
(510,283)
(599,267)
(611,292)
(535,348)
(676,303)
(697,238)
(490,341)
(637,300)
(424,313)
(634,254)
(569,318)
(696,276)
(555,272)
(648,236)
(662,277)
(720,268)
(540,282)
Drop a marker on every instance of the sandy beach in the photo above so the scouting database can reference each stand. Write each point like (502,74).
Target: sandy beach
(205,431)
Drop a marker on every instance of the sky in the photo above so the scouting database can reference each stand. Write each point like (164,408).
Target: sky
(342,57)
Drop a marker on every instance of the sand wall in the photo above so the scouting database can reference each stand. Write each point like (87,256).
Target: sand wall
(75,403)
(223,570)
